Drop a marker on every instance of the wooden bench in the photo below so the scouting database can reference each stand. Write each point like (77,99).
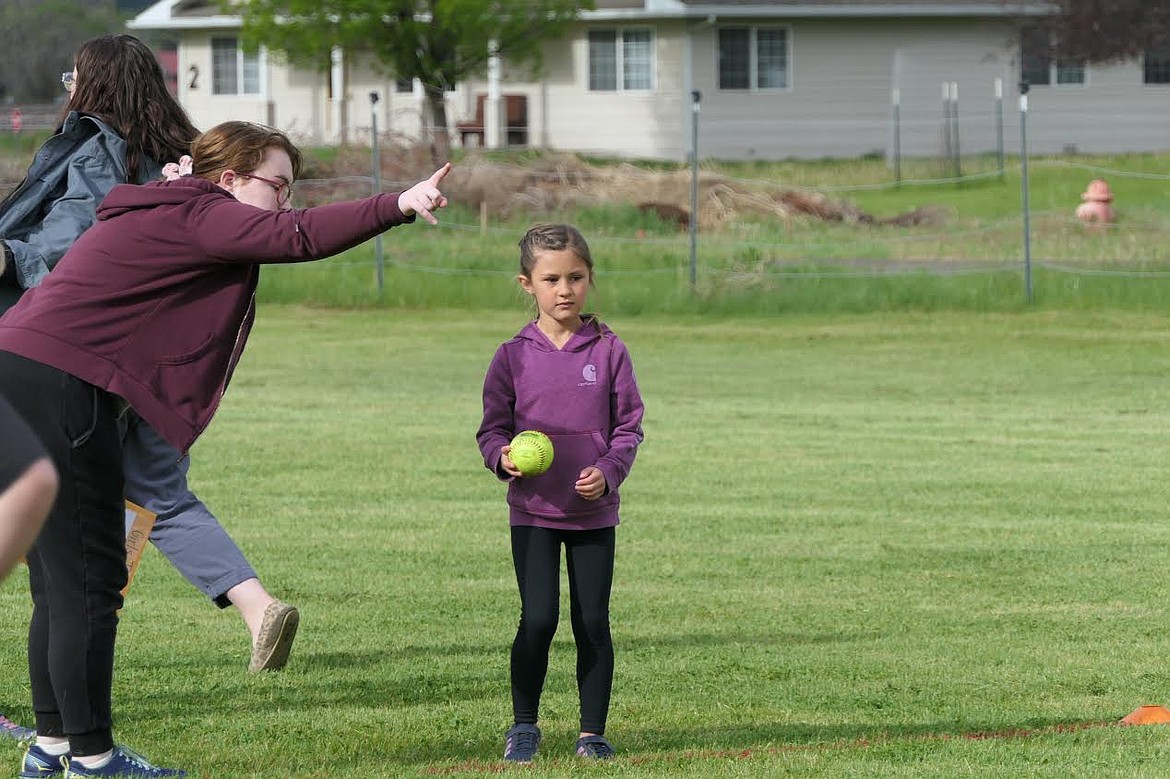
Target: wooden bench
(516,124)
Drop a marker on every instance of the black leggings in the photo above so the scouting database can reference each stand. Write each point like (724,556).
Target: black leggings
(77,566)
(536,552)
(19,446)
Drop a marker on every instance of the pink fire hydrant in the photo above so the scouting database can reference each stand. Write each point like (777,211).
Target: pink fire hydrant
(1097,206)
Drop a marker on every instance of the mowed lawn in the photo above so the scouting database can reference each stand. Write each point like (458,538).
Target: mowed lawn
(872,545)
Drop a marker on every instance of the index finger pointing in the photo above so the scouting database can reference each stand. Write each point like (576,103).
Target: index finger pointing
(439,174)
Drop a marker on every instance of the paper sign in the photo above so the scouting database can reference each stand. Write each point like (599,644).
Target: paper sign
(139,522)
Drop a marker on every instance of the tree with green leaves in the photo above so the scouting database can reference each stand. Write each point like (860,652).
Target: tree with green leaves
(38,39)
(439,42)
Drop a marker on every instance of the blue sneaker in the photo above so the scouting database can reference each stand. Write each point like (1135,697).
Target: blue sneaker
(594,748)
(521,743)
(126,764)
(9,729)
(38,762)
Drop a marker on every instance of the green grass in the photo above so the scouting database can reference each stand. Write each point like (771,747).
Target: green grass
(754,263)
(759,263)
(850,542)
(890,519)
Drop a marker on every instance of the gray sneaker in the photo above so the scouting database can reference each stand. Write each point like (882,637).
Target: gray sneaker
(521,743)
(594,748)
(9,729)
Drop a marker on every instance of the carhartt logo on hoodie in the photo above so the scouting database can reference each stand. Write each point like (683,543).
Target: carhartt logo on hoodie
(589,374)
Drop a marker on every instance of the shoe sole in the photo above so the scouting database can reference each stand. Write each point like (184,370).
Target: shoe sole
(520,761)
(275,642)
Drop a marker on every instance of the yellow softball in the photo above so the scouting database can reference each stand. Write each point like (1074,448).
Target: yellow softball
(532,452)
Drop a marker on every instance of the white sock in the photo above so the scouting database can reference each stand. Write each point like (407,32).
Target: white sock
(53,746)
(95,761)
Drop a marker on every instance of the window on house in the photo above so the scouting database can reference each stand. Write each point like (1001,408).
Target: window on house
(233,71)
(1069,71)
(621,59)
(404,85)
(1156,67)
(753,58)
(1035,65)
(1039,66)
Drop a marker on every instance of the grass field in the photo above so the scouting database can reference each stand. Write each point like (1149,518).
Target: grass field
(888,544)
(970,256)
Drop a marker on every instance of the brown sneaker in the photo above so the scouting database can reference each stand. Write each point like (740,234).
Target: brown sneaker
(277,632)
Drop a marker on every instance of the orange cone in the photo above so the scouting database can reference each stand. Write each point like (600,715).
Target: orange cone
(1147,715)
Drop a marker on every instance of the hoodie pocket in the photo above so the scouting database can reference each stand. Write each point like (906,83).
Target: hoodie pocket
(553,493)
(179,379)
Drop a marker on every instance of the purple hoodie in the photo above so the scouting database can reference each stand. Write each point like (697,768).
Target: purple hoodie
(154,302)
(585,398)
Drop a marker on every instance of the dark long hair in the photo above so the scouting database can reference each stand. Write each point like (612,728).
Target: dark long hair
(120,81)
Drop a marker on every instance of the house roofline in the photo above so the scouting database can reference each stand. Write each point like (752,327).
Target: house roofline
(202,23)
(160,16)
(825,10)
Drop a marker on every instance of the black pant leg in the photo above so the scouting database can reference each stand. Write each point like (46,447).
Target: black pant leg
(536,553)
(77,567)
(590,556)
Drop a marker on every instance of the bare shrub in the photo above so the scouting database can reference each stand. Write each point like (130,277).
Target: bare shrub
(555,182)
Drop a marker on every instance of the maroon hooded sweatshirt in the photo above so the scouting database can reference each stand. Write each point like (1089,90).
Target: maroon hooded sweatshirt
(154,303)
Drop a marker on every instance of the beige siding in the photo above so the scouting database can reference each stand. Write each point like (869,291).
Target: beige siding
(1113,112)
(195,87)
(403,114)
(838,102)
(293,100)
(565,115)
(840,96)
(633,123)
(297,100)
(835,105)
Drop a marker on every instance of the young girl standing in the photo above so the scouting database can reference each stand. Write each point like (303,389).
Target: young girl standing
(570,376)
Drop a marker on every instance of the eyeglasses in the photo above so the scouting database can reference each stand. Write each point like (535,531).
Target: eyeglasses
(283,188)
(68,80)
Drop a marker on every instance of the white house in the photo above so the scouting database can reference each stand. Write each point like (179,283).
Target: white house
(787,78)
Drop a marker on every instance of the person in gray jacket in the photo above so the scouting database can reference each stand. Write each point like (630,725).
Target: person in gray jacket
(120,122)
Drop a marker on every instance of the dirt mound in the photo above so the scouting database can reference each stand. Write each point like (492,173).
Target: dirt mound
(560,183)
(553,183)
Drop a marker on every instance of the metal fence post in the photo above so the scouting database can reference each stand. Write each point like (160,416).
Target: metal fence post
(955,129)
(999,124)
(896,100)
(376,164)
(1024,186)
(694,221)
(946,128)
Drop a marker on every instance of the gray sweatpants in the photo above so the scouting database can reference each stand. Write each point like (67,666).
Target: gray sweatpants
(185,531)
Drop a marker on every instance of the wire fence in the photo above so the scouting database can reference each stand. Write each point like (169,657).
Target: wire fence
(1137,247)
(853,250)
(793,245)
